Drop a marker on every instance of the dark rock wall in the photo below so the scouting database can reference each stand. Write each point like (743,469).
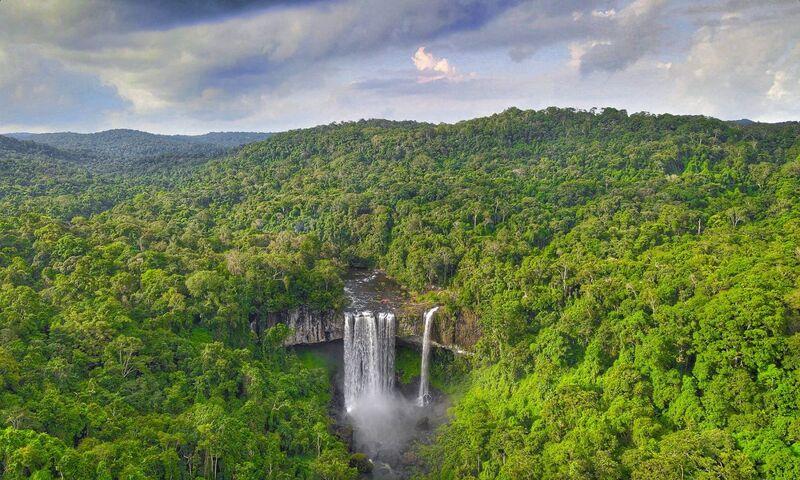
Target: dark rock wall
(458,331)
(309,326)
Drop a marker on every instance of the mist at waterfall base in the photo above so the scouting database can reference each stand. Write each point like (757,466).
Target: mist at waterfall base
(384,426)
(385,420)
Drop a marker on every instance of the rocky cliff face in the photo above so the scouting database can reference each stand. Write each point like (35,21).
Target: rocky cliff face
(457,332)
(373,290)
(309,326)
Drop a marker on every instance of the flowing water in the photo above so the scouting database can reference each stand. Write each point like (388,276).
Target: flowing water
(387,417)
(368,356)
(424,396)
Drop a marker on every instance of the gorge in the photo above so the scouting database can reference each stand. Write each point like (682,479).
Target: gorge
(383,401)
(372,290)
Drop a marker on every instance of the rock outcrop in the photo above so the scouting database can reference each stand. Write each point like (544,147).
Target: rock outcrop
(457,332)
(309,326)
(373,290)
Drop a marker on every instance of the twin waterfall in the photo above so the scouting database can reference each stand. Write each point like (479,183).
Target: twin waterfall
(369,352)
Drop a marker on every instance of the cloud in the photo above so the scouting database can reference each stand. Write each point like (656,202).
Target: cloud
(604,13)
(432,68)
(239,62)
(223,57)
(426,61)
(745,63)
(159,14)
(32,86)
(782,85)
(620,38)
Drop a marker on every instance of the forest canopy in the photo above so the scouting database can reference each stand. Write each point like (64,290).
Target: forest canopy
(637,280)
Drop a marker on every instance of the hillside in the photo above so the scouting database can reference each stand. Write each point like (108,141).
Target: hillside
(29,170)
(133,149)
(40,178)
(635,276)
(11,146)
(68,174)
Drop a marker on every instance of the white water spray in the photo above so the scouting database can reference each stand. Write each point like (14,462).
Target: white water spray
(424,391)
(368,356)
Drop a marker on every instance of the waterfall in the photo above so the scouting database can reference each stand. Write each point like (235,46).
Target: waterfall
(424,392)
(368,356)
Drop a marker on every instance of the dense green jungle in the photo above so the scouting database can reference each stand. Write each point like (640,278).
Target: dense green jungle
(636,280)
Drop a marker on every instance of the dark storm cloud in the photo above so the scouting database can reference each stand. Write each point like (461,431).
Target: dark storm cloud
(164,14)
(471,14)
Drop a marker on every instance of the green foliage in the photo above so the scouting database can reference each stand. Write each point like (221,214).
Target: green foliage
(125,353)
(125,150)
(360,462)
(407,364)
(635,276)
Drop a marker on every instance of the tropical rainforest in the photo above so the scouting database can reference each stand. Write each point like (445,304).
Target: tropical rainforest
(636,277)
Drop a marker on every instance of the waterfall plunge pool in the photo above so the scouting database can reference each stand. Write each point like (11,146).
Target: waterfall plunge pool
(380,406)
(387,428)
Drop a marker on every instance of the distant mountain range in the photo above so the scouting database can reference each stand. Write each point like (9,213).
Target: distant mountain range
(11,145)
(122,148)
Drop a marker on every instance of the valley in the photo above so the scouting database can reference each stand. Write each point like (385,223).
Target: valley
(617,298)
(399,240)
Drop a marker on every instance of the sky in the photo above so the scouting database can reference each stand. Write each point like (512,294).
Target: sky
(268,65)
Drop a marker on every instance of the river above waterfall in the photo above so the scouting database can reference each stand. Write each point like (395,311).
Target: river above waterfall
(372,290)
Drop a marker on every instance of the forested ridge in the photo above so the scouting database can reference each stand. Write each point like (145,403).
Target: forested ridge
(636,277)
(125,150)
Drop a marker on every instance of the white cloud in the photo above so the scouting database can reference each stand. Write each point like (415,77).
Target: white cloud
(783,85)
(426,61)
(604,13)
(746,64)
(432,67)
